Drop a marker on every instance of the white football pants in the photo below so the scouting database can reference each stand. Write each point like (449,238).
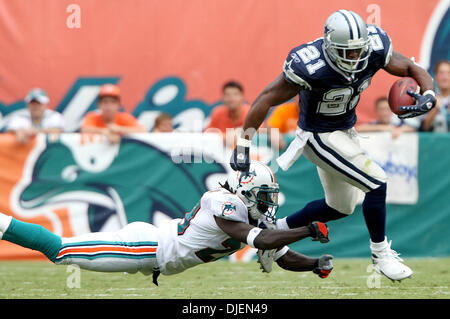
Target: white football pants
(131,249)
(342,165)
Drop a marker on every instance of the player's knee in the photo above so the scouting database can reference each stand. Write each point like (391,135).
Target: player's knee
(346,207)
(375,171)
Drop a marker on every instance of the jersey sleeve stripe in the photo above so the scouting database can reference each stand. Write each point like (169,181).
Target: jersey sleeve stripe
(389,54)
(186,222)
(290,75)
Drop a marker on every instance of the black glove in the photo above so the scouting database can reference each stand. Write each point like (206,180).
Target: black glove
(319,231)
(323,266)
(424,103)
(240,159)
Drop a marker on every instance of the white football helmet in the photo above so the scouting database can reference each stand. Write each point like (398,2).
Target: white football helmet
(346,41)
(258,190)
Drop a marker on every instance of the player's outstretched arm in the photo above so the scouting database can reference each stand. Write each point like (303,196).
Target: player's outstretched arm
(276,93)
(271,238)
(294,261)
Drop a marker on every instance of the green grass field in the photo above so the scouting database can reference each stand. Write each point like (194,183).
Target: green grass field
(225,280)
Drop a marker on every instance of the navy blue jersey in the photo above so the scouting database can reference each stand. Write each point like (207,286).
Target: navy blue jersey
(328,96)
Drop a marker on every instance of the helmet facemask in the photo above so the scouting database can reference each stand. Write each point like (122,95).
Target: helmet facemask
(351,58)
(262,201)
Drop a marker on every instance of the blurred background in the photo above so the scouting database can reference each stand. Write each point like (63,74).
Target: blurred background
(165,66)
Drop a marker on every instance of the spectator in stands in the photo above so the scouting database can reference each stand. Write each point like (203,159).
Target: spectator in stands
(387,121)
(231,114)
(438,119)
(36,118)
(284,118)
(108,120)
(163,123)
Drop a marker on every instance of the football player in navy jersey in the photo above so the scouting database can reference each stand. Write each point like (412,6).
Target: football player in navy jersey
(329,74)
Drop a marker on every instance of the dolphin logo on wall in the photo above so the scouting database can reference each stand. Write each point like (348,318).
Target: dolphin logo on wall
(131,181)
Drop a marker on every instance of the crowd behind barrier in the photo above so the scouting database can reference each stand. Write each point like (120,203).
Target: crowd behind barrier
(109,119)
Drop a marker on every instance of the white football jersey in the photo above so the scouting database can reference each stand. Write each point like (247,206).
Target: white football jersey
(196,239)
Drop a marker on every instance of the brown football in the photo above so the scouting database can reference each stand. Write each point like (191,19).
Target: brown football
(398,95)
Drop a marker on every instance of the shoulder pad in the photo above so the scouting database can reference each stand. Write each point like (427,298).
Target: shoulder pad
(302,63)
(381,42)
(226,205)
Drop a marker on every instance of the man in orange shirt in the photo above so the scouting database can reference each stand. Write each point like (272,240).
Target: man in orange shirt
(108,120)
(231,114)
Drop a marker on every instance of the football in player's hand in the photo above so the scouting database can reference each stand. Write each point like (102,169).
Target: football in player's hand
(398,95)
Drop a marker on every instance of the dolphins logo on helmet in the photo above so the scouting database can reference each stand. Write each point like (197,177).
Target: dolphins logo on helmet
(258,189)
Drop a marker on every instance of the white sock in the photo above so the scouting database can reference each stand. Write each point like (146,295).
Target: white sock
(282,224)
(379,246)
(5,220)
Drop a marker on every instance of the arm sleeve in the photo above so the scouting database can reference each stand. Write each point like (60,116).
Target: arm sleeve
(381,44)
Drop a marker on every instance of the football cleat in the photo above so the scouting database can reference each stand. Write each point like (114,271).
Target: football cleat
(387,262)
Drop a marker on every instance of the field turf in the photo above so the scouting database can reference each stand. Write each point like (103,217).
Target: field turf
(224,280)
